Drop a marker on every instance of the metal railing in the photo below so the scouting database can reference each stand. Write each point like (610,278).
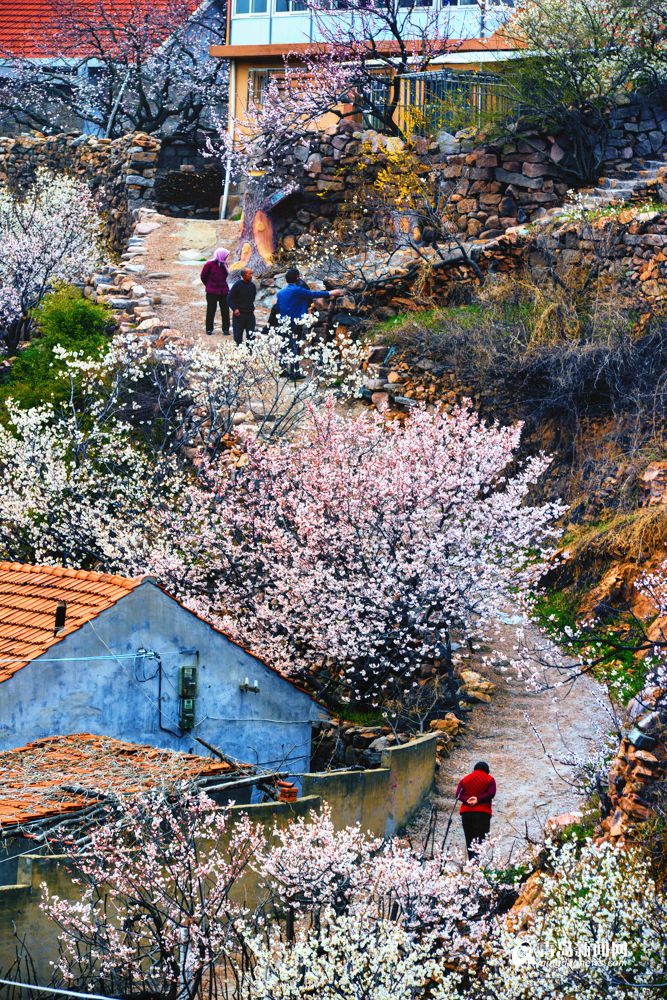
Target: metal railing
(444,100)
(430,101)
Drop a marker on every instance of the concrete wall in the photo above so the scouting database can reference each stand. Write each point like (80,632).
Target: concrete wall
(382,801)
(119,697)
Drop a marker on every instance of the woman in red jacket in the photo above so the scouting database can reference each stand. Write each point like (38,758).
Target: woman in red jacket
(476,792)
(214,275)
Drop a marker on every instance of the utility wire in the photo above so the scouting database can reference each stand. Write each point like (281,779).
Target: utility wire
(51,989)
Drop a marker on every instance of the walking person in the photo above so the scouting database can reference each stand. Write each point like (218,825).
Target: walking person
(214,275)
(293,302)
(476,792)
(241,301)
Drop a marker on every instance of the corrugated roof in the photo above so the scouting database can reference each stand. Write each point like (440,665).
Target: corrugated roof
(29,596)
(57,775)
(28,28)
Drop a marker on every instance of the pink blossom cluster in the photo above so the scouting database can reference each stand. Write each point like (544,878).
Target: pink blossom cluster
(359,548)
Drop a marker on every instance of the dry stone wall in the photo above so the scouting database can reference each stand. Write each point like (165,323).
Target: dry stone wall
(493,187)
(638,772)
(121,172)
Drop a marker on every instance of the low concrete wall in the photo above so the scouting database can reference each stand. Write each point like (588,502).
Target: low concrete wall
(381,801)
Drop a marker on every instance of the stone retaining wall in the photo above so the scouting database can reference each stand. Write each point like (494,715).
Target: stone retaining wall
(638,773)
(494,187)
(121,172)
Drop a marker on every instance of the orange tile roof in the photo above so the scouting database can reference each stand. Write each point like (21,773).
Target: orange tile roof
(57,775)
(29,596)
(28,28)
(28,599)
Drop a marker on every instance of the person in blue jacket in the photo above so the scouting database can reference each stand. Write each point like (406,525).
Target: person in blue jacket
(292,303)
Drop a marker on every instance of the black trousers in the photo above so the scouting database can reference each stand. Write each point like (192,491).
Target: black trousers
(292,350)
(243,324)
(212,303)
(476,826)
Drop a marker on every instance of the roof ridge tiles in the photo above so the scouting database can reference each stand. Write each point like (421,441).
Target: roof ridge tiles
(78,574)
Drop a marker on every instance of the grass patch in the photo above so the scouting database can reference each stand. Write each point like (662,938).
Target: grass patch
(358,717)
(617,666)
(407,324)
(635,535)
(64,319)
(584,828)
(513,875)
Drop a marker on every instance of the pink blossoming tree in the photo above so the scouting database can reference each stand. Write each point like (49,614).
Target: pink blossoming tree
(354,552)
(155,916)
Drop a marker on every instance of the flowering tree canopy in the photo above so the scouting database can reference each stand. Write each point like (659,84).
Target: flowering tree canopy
(155,915)
(50,232)
(582,55)
(371,920)
(120,66)
(97,479)
(361,546)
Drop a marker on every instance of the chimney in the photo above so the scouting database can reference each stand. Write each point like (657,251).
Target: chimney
(61,615)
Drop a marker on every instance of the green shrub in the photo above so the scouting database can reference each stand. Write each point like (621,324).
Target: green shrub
(66,319)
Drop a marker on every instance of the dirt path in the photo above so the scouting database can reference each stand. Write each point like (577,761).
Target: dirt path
(174,256)
(529,790)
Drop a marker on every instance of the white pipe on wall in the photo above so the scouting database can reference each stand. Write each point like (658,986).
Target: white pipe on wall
(232,114)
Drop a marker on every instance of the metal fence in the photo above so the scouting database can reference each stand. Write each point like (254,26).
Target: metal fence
(431,102)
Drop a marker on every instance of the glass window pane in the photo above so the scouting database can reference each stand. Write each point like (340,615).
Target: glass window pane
(259,6)
(242,6)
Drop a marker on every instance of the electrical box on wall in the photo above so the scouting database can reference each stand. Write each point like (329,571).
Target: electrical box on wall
(187,682)
(187,689)
(186,713)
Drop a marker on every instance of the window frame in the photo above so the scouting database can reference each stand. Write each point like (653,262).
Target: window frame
(252,13)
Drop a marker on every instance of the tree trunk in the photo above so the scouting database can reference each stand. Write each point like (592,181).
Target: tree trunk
(15,332)
(257,240)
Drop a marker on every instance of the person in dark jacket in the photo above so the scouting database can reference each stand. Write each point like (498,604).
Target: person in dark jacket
(214,276)
(293,302)
(241,301)
(476,792)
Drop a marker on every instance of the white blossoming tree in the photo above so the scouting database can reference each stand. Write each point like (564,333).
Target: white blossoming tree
(50,232)
(598,931)
(100,478)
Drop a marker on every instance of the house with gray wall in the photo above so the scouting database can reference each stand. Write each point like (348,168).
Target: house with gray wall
(119,657)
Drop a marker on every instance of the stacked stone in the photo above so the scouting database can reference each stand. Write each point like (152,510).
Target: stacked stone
(493,187)
(638,776)
(120,172)
(646,258)
(122,286)
(638,129)
(497,186)
(343,744)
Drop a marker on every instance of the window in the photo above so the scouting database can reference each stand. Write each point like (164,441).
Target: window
(290,6)
(258,83)
(251,6)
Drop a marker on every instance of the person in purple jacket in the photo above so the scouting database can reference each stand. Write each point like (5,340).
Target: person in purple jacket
(214,276)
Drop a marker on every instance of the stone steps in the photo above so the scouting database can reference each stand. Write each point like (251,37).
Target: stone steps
(621,187)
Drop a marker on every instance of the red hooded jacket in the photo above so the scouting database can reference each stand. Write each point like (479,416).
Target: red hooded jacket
(480,785)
